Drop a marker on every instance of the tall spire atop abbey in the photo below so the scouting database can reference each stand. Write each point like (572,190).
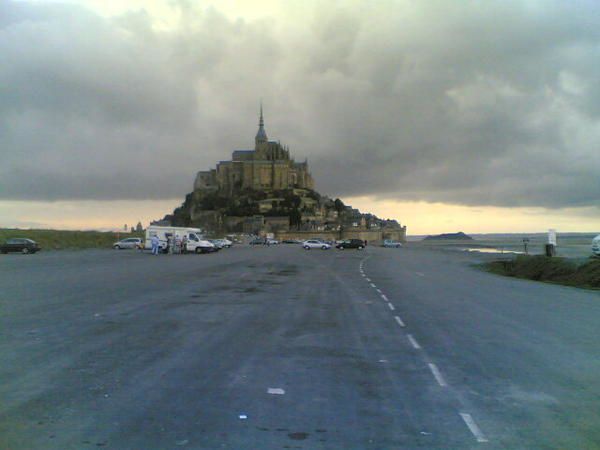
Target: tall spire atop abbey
(261,136)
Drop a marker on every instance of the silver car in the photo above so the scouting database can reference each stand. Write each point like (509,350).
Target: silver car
(313,243)
(391,243)
(128,243)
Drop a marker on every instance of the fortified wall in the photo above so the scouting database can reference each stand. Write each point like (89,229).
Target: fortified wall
(375,236)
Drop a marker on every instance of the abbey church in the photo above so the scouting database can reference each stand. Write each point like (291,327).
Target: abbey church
(267,167)
(264,190)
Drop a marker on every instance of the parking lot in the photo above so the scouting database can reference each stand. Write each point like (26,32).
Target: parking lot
(279,347)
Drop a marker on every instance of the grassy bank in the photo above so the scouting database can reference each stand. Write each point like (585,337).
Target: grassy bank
(584,274)
(66,239)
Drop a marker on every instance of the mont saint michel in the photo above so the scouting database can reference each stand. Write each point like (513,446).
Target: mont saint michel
(265,190)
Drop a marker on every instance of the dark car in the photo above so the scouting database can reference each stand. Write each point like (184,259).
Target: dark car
(351,243)
(21,245)
(258,241)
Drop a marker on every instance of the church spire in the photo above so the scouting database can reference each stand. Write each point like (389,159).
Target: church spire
(261,136)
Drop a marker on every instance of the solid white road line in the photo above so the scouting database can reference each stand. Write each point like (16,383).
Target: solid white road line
(437,375)
(384,297)
(399,320)
(473,427)
(413,342)
(391,306)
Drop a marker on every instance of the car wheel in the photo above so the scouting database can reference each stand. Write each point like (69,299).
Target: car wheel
(117,247)
(360,247)
(306,247)
(198,250)
(25,251)
(324,247)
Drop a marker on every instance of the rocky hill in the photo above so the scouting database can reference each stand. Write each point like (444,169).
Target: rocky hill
(256,211)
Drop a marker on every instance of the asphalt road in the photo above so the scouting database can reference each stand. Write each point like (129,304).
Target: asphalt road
(378,349)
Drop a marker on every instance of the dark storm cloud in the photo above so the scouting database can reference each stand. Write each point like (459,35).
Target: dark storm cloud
(483,104)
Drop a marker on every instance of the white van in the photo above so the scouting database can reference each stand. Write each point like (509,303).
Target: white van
(195,241)
(596,246)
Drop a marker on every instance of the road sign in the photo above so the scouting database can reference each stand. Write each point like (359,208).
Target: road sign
(552,236)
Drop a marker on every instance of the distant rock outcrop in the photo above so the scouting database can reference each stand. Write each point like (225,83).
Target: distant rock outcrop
(460,236)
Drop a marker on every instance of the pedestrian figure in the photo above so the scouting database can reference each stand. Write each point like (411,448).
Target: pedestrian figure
(184,244)
(155,243)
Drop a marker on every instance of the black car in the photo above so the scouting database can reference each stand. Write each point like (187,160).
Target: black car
(21,245)
(351,243)
(291,241)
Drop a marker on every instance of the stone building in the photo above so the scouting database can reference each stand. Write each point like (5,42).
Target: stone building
(267,167)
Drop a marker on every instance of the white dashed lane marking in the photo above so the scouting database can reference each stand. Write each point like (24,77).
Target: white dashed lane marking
(434,370)
(275,391)
(413,342)
(437,375)
(399,320)
(473,427)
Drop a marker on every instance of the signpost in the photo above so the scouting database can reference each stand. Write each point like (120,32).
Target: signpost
(551,245)
(552,236)
(525,242)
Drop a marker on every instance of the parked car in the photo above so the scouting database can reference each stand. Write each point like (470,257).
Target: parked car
(221,243)
(291,241)
(225,243)
(271,241)
(128,243)
(391,243)
(217,243)
(596,246)
(21,245)
(257,241)
(313,243)
(351,243)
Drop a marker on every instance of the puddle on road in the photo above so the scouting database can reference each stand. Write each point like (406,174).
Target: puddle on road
(249,290)
(284,271)
(298,436)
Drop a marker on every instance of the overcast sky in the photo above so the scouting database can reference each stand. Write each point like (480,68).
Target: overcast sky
(481,104)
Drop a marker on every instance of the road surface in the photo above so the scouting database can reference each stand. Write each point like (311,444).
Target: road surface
(269,348)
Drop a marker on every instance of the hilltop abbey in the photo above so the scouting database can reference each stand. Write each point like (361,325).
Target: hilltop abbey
(267,167)
(264,190)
